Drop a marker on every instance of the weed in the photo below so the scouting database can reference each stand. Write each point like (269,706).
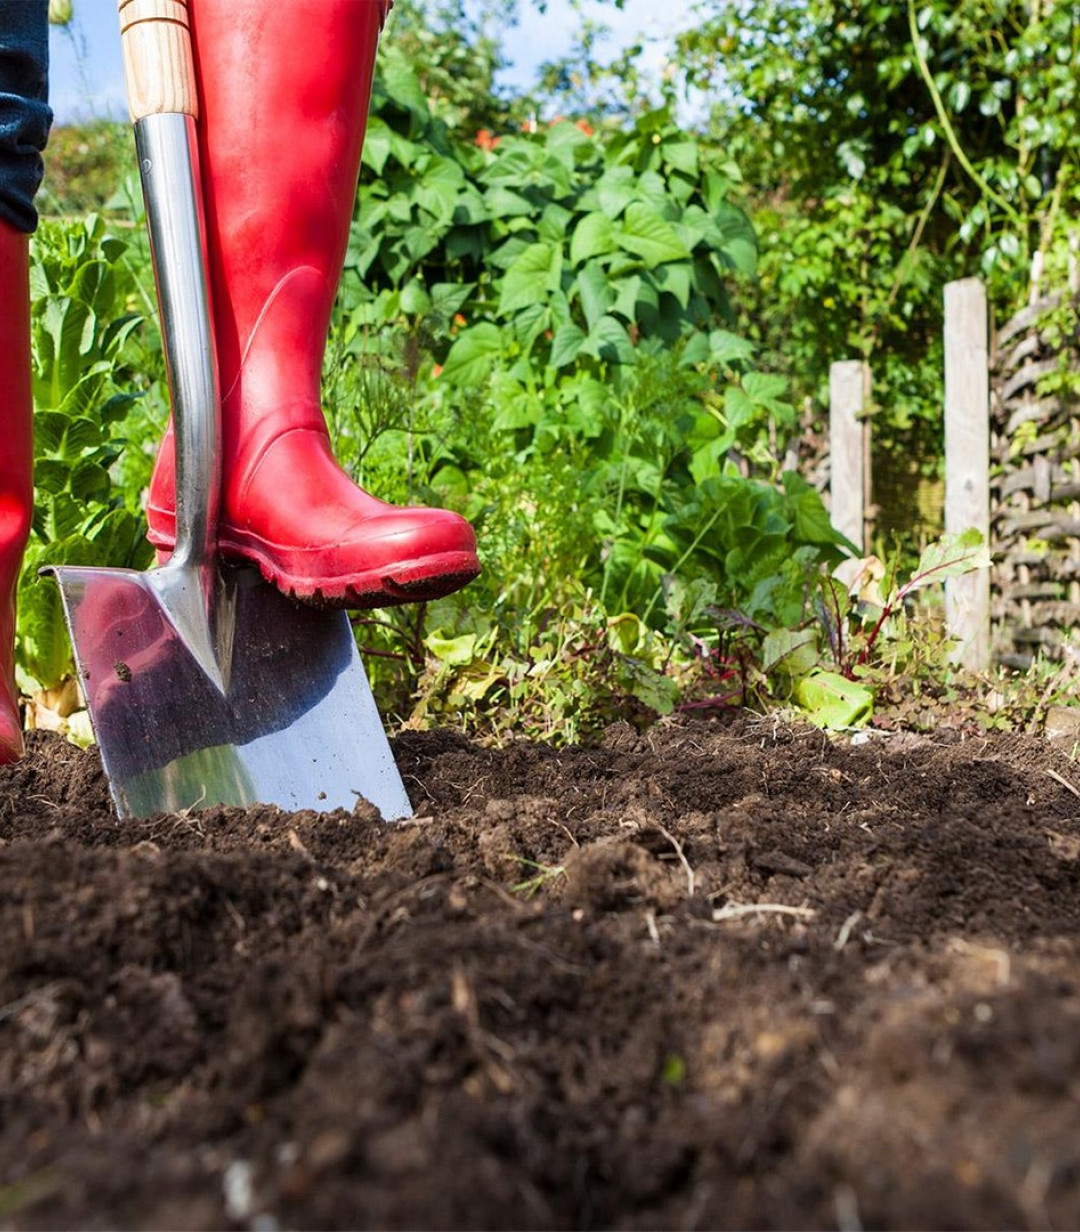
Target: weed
(545,874)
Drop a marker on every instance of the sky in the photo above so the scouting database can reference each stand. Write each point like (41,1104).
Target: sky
(87,76)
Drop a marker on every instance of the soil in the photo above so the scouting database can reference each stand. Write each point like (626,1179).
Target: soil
(715,975)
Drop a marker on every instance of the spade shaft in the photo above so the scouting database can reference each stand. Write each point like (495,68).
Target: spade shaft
(160,79)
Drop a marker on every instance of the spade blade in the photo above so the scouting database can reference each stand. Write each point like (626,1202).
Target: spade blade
(282,714)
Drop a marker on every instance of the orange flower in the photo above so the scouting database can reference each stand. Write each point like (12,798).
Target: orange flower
(485,140)
(436,370)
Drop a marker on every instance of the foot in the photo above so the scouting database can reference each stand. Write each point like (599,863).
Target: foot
(319,538)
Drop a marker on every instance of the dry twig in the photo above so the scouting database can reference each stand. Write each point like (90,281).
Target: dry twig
(682,858)
(735,911)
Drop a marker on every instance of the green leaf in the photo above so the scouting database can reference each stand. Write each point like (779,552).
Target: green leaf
(530,322)
(554,222)
(503,202)
(681,155)
(403,86)
(532,275)
(51,476)
(81,435)
(609,341)
(63,515)
(595,293)
(651,687)
(377,144)
(447,298)
(738,241)
(768,390)
(44,651)
(675,280)
(810,519)
(473,355)
(633,295)
(948,557)
(89,483)
(566,345)
(414,298)
(118,332)
(116,407)
(594,236)
(795,652)
(49,429)
(831,700)
(453,651)
(728,348)
(649,236)
(615,190)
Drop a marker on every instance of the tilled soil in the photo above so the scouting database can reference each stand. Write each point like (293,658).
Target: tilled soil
(713,976)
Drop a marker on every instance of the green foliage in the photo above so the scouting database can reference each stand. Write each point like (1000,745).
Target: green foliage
(541,876)
(576,671)
(891,147)
(553,309)
(569,245)
(452,50)
(86,167)
(81,331)
(858,640)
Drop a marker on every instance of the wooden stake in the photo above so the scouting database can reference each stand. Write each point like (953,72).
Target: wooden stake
(967,462)
(847,453)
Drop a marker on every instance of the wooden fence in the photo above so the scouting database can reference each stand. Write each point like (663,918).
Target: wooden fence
(1012,470)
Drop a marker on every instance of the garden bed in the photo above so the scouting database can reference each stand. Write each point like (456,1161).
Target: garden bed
(714,975)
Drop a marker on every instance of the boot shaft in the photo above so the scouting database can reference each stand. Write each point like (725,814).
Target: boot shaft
(16,412)
(284,91)
(16,462)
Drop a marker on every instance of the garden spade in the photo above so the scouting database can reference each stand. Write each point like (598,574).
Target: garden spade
(204,684)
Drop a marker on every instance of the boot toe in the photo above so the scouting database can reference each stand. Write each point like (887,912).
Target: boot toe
(400,555)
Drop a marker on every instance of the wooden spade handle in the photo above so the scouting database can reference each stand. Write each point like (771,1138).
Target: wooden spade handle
(158,67)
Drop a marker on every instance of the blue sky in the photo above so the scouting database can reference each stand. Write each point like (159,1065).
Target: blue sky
(87,77)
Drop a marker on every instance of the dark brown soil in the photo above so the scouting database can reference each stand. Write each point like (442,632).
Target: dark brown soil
(754,979)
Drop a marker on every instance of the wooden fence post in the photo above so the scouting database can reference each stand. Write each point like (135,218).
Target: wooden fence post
(967,462)
(848,387)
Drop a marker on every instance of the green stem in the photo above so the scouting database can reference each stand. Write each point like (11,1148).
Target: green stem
(920,227)
(619,498)
(682,560)
(946,123)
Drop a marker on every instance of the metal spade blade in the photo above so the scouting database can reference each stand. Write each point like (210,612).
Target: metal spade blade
(294,725)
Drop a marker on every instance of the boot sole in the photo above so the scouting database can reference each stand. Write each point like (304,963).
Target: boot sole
(410,581)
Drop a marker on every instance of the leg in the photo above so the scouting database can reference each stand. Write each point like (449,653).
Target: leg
(284,91)
(24,127)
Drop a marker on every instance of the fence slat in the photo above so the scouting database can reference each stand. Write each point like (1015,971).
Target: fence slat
(847,454)
(967,462)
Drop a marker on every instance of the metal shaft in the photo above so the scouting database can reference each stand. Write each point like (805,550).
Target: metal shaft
(168,161)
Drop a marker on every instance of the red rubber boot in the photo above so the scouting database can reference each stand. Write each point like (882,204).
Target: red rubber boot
(284,92)
(16,465)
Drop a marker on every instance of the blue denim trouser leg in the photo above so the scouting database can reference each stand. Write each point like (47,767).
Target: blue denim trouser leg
(25,116)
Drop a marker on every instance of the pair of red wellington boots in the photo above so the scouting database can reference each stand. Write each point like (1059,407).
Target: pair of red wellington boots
(284,91)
